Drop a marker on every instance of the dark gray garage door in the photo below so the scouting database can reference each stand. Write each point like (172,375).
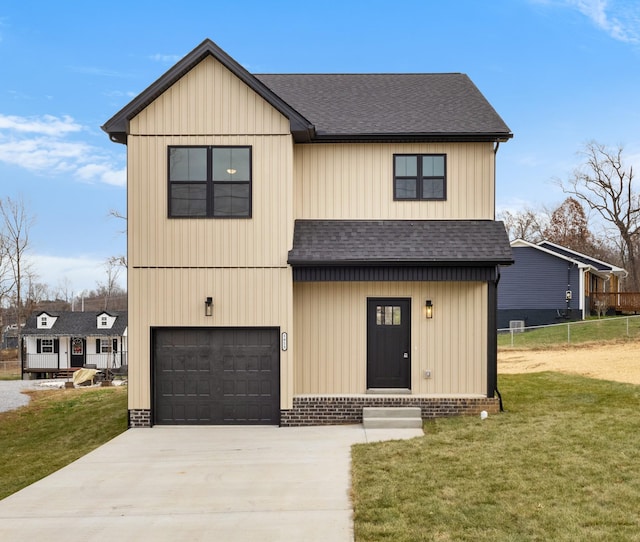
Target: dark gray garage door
(216,376)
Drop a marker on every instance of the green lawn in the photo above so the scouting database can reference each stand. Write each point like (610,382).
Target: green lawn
(592,330)
(56,428)
(561,463)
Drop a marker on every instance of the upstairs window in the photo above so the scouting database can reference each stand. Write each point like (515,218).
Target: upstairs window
(419,177)
(209,182)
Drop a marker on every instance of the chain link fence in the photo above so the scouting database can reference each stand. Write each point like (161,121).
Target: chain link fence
(581,331)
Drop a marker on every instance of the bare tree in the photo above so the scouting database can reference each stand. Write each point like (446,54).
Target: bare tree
(6,275)
(606,186)
(15,224)
(114,213)
(113,266)
(526,224)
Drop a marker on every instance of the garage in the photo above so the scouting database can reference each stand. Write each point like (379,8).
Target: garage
(216,376)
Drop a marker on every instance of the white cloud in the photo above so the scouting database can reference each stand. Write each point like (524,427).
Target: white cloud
(104,173)
(83,272)
(620,19)
(46,145)
(165,59)
(45,125)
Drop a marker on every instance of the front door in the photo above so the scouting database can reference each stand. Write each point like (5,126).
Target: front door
(388,343)
(78,345)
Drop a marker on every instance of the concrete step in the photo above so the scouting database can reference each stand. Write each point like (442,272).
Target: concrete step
(392,423)
(391,417)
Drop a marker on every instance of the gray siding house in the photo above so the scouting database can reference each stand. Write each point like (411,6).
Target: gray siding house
(549,284)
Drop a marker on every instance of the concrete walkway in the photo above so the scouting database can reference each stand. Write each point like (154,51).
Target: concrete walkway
(198,483)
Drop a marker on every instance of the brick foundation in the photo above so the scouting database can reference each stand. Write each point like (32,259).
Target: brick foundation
(332,410)
(139,418)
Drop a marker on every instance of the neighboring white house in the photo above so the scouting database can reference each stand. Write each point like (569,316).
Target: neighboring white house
(55,341)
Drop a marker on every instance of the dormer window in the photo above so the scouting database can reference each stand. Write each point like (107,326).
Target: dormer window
(45,321)
(105,321)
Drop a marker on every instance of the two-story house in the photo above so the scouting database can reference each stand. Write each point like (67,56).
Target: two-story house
(303,245)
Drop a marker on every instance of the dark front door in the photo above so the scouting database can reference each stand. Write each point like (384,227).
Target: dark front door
(78,347)
(388,343)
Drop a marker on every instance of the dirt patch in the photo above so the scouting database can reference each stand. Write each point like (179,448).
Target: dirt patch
(618,361)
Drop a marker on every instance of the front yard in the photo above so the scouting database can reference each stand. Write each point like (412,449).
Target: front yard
(561,463)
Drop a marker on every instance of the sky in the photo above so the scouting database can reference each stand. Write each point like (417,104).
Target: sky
(561,73)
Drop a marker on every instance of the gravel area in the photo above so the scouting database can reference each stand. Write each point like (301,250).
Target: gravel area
(618,361)
(11,396)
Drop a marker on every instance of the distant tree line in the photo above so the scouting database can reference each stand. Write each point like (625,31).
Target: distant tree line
(599,218)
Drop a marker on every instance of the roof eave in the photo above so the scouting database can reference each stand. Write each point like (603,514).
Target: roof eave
(400,263)
(434,137)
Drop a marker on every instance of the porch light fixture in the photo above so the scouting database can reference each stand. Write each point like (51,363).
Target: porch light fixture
(208,306)
(428,309)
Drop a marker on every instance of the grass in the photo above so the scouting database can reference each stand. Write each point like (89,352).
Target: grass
(561,463)
(587,331)
(56,428)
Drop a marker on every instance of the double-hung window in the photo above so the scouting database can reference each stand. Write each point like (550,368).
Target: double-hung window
(210,182)
(419,177)
(47,346)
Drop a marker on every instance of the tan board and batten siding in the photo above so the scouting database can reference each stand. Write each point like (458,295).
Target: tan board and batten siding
(354,181)
(242,263)
(452,345)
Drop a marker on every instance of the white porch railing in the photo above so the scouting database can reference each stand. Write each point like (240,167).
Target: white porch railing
(107,360)
(43,361)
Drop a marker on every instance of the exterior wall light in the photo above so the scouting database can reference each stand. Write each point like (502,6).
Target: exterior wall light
(428,309)
(208,306)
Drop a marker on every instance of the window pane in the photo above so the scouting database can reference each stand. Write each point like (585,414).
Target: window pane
(406,189)
(433,188)
(189,199)
(388,315)
(396,316)
(379,315)
(406,166)
(433,166)
(231,164)
(187,164)
(231,199)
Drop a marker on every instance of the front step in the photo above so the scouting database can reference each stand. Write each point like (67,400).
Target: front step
(391,418)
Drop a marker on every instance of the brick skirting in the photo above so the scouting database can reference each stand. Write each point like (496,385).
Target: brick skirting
(332,410)
(139,418)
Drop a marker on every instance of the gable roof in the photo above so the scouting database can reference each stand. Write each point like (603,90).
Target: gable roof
(378,106)
(81,324)
(349,107)
(118,126)
(576,258)
(400,242)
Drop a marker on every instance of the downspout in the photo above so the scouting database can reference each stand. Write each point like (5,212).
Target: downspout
(495,153)
(492,342)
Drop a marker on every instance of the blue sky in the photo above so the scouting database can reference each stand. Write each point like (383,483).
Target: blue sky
(559,72)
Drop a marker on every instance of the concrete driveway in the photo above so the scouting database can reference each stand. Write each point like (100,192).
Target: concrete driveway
(223,484)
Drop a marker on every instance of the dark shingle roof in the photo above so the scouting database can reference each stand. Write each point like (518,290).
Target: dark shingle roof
(400,242)
(325,107)
(434,104)
(81,324)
